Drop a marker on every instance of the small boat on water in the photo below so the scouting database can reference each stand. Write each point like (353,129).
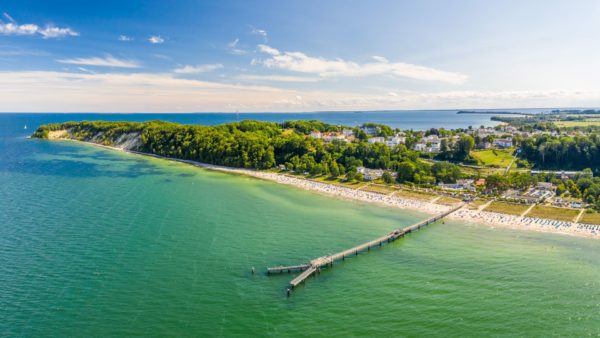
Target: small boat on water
(25,127)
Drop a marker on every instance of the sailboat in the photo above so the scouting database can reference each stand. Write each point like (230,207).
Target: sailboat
(25,127)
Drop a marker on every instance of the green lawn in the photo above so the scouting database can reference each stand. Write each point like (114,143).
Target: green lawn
(415,195)
(445,200)
(382,189)
(561,214)
(585,123)
(474,205)
(591,218)
(493,157)
(507,208)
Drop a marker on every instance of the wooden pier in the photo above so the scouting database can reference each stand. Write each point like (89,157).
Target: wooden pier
(315,265)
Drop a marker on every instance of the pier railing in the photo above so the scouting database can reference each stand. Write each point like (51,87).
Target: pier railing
(315,265)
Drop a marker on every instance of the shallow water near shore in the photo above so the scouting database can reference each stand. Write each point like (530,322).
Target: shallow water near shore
(98,242)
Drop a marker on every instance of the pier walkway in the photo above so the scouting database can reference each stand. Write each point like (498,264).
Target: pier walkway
(315,265)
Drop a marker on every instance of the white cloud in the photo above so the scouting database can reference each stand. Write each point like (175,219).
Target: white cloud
(108,61)
(380,58)
(14,29)
(300,62)
(260,32)
(49,32)
(85,70)
(188,69)
(156,39)
(144,92)
(268,50)
(233,48)
(277,78)
(125,38)
(56,32)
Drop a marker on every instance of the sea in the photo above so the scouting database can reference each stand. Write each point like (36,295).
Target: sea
(95,243)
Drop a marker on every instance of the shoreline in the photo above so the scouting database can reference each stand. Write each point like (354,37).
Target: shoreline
(486,218)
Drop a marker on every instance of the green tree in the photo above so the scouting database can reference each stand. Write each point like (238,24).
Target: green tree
(387,177)
(351,174)
(359,177)
(406,171)
(334,169)
(496,183)
(463,147)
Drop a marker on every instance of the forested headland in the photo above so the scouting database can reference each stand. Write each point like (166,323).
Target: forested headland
(265,145)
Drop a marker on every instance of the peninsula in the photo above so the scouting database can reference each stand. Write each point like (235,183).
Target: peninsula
(507,174)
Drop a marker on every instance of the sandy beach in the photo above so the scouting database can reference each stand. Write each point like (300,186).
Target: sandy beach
(473,216)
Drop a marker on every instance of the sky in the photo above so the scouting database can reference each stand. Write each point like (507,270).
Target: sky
(280,56)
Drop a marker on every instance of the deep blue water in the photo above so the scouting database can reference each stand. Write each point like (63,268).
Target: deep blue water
(413,119)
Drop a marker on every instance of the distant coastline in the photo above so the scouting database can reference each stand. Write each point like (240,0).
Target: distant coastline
(492,112)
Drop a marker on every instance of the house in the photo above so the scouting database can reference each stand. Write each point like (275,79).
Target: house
(370,130)
(484,145)
(348,132)
(459,185)
(427,148)
(564,175)
(315,134)
(420,146)
(328,137)
(503,143)
(395,140)
(370,174)
(480,182)
(546,186)
(429,144)
(373,140)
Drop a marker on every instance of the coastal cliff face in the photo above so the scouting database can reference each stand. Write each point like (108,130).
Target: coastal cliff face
(127,141)
(93,133)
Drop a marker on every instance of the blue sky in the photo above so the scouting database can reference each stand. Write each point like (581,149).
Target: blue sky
(192,56)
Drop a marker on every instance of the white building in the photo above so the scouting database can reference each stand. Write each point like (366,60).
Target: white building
(348,132)
(429,144)
(370,174)
(328,137)
(420,146)
(373,140)
(315,134)
(503,143)
(371,130)
(395,140)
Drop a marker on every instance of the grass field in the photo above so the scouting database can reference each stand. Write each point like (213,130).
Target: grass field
(474,205)
(447,201)
(561,214)
(567,124)
(592,218)
(414,195)
(379,189)
(340,182)
(507,208)
(493,157)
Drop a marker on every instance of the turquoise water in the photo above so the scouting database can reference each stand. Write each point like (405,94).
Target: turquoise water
(100,243)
